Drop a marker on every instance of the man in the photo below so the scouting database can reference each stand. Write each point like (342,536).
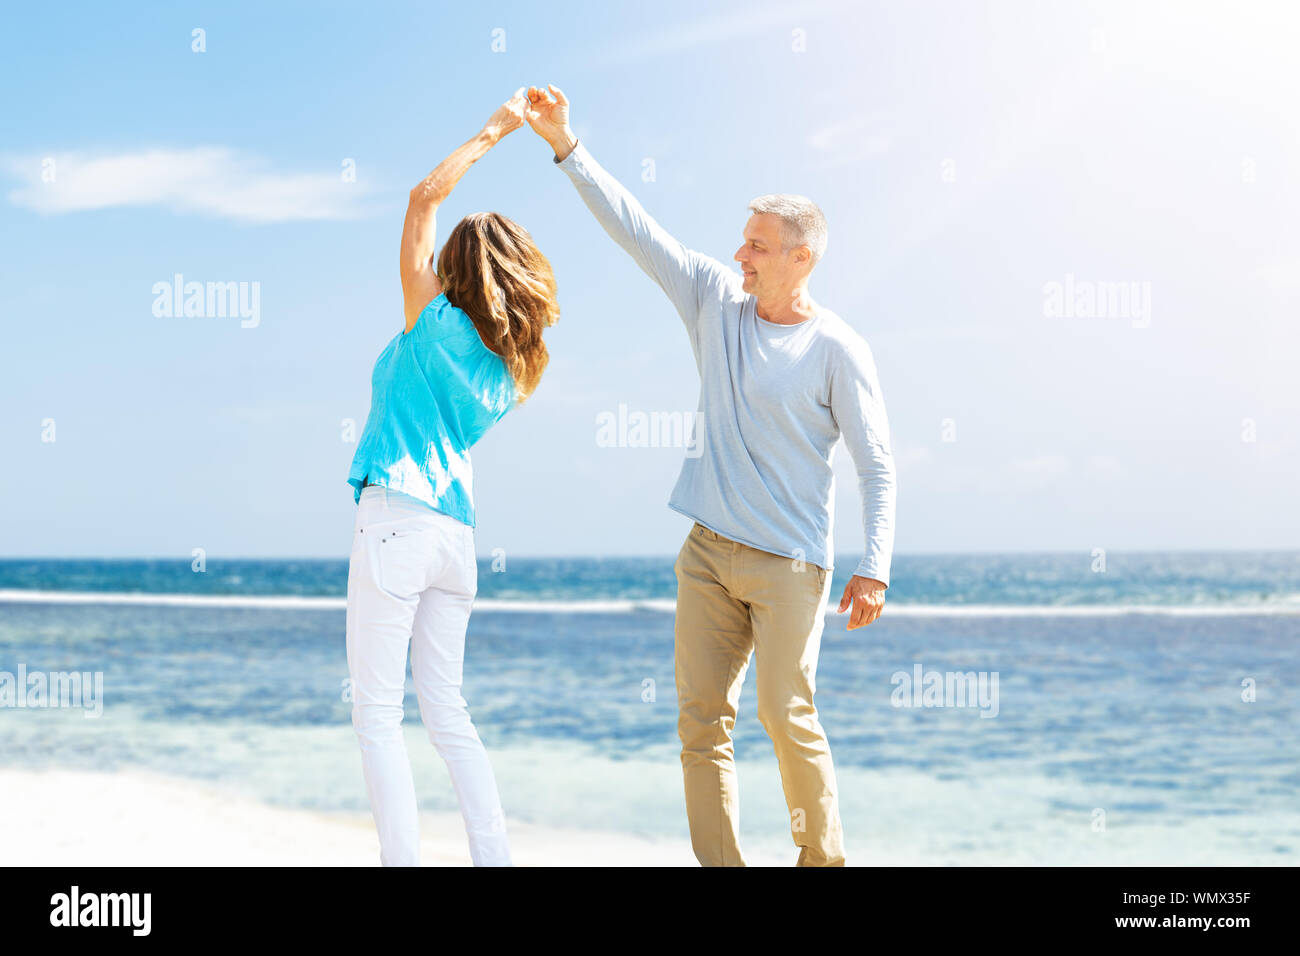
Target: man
(781,379)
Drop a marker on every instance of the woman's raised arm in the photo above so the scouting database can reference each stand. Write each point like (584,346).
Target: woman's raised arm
(419,234)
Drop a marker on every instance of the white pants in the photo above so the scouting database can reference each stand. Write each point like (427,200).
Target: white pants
(411,581)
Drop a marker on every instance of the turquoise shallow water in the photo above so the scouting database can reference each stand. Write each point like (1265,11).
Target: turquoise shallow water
(1139,714)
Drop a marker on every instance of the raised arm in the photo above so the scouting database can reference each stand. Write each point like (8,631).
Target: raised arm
(684,275)
(859,411)
(420,282)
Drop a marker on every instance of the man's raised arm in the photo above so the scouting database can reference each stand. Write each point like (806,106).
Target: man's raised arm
(684,275)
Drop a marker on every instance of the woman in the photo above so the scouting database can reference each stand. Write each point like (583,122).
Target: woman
(471,349)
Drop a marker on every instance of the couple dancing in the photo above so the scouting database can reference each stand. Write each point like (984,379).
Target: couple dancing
(781,380)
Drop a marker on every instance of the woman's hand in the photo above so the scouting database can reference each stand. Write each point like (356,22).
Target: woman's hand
(420,281)
(509,116)
(548,115)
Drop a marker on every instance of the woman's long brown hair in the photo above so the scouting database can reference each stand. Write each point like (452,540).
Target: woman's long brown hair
(491,270)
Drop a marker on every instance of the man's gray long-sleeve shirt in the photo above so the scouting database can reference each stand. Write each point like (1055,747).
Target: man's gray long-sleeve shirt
(774,399)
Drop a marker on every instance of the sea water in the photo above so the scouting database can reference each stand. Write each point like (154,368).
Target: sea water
(1144,714)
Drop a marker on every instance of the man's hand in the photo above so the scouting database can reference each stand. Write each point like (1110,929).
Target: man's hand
(548,115)
(509,116)
(867,595)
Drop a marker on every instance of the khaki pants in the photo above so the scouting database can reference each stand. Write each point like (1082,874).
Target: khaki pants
(733,599)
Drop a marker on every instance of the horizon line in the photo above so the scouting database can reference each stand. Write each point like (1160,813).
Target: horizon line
(669,556)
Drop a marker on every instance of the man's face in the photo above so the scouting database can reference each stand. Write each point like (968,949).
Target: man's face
(765,267)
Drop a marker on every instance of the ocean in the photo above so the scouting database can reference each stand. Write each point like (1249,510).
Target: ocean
(1144,713)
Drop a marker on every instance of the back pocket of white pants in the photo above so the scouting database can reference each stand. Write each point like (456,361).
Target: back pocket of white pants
(406,557)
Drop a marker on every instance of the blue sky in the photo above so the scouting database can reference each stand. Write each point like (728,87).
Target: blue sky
(967,155)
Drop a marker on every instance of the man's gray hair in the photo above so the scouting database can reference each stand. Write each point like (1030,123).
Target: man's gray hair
(802,223)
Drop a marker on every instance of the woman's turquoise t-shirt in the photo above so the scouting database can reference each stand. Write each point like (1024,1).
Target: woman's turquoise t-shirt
(435,390)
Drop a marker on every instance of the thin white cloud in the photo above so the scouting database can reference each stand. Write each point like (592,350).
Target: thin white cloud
(948,469)
(715,31)
(207,181)
(852,140)
(1104,468)
(1035,473)
(1283,272)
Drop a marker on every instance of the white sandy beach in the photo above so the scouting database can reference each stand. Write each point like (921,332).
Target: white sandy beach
(62,817)
(74,818)
(137,818)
